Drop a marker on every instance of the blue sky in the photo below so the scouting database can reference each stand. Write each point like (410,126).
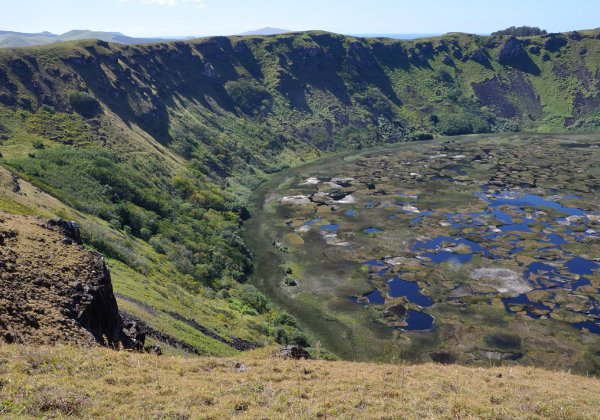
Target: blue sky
(225,17)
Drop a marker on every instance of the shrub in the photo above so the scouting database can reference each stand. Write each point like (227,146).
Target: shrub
(504,341)
(299,339)
(84,104)
(286,319)
(241,307)
(182,257)
(454,124)
(285,335)
(25,102)
(502,125)
(115,224)
(280,335)
(246,95)
(249,295)
(420,135)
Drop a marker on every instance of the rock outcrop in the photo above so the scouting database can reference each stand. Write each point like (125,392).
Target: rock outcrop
(292,352)
(52,290)
(512,52)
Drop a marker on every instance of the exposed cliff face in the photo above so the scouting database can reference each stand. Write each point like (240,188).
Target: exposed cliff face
(401,81)
(52,290)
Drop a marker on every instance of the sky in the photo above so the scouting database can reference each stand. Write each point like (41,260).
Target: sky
(151,18)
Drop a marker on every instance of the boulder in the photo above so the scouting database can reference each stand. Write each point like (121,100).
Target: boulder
(444,357)
(69,229)
(398,310)
(500,356)
(555,42)
(292,352)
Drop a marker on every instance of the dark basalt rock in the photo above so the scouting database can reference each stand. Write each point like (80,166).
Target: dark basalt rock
(534,50)
(337,195)
(512,52)
(479,57)
(444,357)
(555,43)
(362,53)
(575,36)
(448,61)
(134,334)
(16,187)
(398,310)
(153,350)
(500,356)
(514,55)
(144,329)
(69,229)
(292,352)
(97,309)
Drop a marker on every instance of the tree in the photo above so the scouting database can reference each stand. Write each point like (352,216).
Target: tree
(521,31)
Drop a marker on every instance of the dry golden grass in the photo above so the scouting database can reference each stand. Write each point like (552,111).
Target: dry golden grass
(63,381)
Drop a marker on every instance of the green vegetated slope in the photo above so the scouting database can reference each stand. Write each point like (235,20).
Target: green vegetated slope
(155,148)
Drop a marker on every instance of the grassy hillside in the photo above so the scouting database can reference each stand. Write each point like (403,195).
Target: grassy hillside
(63,381)
(155,148)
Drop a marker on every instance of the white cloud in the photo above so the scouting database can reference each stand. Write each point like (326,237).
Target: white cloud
(199,3)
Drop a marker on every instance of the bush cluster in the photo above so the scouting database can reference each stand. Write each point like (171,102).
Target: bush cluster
(190,220)
(84,103)
(246,95)
(458,123)
(521,31)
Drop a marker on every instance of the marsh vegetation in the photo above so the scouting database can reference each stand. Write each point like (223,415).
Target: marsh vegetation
(483,247)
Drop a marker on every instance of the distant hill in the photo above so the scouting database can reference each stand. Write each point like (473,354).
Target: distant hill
(19,39)
(9,39)
(267,31)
